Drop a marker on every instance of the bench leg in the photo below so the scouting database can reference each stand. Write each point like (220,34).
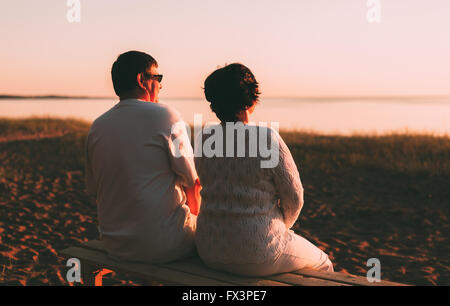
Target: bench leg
(87,273)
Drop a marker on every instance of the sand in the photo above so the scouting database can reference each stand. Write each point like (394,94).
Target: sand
(352,216)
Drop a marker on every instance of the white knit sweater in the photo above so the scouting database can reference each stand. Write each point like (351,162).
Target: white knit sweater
(246,210)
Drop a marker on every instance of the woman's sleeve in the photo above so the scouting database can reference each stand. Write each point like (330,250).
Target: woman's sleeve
(288,184)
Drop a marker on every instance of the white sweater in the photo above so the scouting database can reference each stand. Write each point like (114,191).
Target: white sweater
(133,170)
(246,210)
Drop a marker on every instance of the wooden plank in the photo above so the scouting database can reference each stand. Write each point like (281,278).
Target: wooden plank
(149,272)
(344,278)
(329,276)
(195,266)
(95,245)
(300,280)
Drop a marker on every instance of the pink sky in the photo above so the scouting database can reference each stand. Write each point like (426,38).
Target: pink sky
(295,48)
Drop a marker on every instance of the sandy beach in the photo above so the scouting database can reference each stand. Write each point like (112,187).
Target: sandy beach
(365,197)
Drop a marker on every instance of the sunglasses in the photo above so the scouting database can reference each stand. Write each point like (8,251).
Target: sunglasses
(157,77)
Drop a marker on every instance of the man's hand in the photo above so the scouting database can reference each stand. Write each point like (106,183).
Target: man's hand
(193,197)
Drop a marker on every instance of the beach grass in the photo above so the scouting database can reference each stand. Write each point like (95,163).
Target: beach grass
(384,197)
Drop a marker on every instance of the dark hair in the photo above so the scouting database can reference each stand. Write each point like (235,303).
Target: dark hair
(127,66)
(230,90)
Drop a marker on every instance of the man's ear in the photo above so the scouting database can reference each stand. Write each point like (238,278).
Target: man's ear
(140,80)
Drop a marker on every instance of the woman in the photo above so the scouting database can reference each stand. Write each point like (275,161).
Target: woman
(243,226)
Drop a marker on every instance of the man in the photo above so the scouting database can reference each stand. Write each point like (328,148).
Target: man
(147,194)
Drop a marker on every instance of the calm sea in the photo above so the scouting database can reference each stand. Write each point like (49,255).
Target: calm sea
(326,116)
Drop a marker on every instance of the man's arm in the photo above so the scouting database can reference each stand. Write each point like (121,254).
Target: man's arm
(181,155)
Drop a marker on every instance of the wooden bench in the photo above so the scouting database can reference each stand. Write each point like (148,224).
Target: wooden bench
(192,272)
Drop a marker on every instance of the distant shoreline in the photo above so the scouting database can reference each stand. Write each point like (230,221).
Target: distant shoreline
(314,98)
(11,97)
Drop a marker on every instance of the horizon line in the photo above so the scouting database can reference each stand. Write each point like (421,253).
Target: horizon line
(55,96)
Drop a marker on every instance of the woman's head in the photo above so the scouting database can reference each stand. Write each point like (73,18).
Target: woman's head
(231,90)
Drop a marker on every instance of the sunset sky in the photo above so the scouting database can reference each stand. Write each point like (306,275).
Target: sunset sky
(295,48)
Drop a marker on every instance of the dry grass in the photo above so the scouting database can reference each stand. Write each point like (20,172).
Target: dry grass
(365,196)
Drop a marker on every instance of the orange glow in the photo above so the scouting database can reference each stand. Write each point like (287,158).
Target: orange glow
(99,276)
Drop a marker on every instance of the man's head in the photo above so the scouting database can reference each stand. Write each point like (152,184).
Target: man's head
(135,75)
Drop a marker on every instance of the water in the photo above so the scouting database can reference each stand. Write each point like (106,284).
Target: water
(325,116)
